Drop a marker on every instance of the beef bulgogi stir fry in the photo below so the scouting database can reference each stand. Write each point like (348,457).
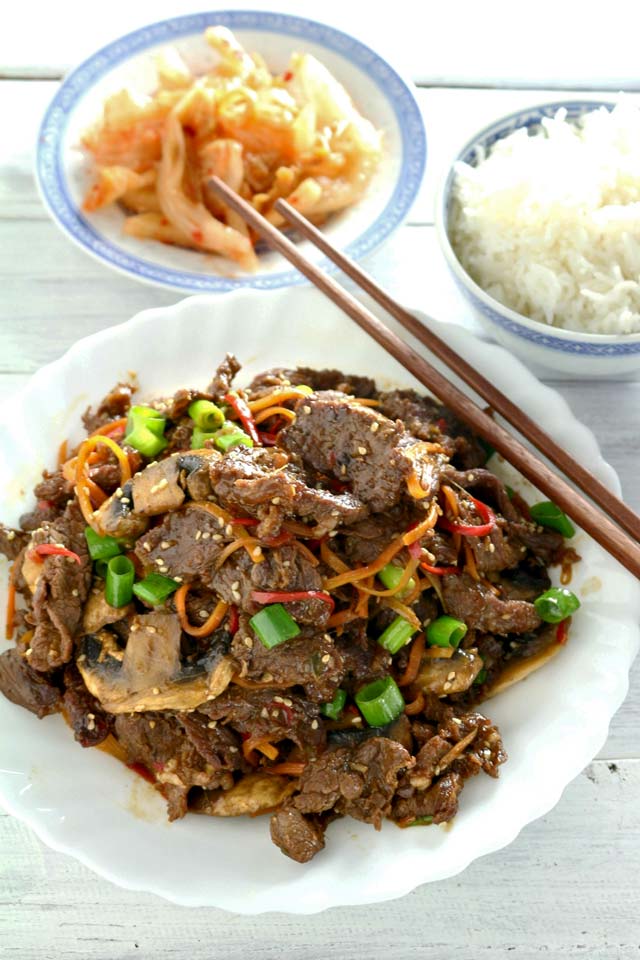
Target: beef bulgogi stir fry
(288,599)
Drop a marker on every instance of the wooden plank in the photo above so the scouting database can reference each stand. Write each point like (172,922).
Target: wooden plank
(464,43)
(561,890)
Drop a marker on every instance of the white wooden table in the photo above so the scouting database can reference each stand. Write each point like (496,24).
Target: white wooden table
(568,886)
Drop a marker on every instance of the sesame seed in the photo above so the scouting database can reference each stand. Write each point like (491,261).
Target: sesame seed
(306,409)
(151,629)
(326,658)
(235,584)
(447,685)
(436,771)
(274,714)
(30,652)
(206,535)
(334,533)
(491,547)
(470,477)
(314,724)
(220,521)
(276,500)
(335,513)
(11,535)
(147,547)
(375,426)
(203,613)
(228,530)
(267,677)
(159,561)
(152,724)
(451,676)
(362,451)
(456,720)
(74,593)
(264,713)
(286,563)
(163,483)
(257,552)
(91,724)
(233,749)
(198,534)
(125,499)
(156,691)
(343,470)
(212,724)
(164,545)
(134,627)
(178,579)
(278,700)
(287,702)
(248,642)
(118,493)
(505,616)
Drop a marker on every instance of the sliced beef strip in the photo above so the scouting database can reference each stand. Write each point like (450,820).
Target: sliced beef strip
(24,686)
(223,377)
(545,545)
(179,436)
(54,489)
(356,782)
(116,404)
(218,745)
(526,582)
(299,837)
(107,475)
(463,746)
(427,419)
(90,724)
(43,511)
(317,379)
(311,661)
(12,542)
(364,660)
(362,542)
(262,483)
(186,544)
(158,743)
(258,714)
(479,608)
(359,446)
(283,569)
(61,591)
(487,487)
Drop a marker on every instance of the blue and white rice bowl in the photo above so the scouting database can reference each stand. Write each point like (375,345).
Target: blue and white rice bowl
(570,352)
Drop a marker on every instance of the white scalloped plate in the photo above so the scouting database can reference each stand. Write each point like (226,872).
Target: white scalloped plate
(88,805)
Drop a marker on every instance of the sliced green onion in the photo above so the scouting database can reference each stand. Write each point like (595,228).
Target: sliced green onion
(397,634)
(118,588)
(143,439)
(274,625)
(198,438)
(510,491)
(230,436)
(446,632)
(482,676)
(147,417)
(556,604)
(548,515)
(155,588)
(335,708)
(206,415)
(380,702)
(391,576)
(421,821)
(101,548)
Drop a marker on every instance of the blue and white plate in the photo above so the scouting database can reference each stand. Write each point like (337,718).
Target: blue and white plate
(64,170)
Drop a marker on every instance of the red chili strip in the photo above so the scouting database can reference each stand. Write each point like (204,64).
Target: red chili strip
(440,571)
(562,632)
(278,541)
(240,408)
(415,550)
(51,550)
(234,620)
(280,596)
(267,439)
(246,521)
(469,530)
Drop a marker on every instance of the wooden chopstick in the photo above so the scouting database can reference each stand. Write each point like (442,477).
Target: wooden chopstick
(612,505)
(596,523)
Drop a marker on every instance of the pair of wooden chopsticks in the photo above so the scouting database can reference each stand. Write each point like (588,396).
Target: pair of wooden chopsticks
(599,523)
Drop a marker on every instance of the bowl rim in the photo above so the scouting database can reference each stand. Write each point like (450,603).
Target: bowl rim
(443,194)
(49,166)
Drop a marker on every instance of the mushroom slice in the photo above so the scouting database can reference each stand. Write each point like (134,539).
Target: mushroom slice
(156,488)
(254,794)
(148,674)
(117,518)
(98,613)
(453,675)
(194,472)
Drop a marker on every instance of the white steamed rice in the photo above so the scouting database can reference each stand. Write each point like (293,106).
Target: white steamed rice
(549,224)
